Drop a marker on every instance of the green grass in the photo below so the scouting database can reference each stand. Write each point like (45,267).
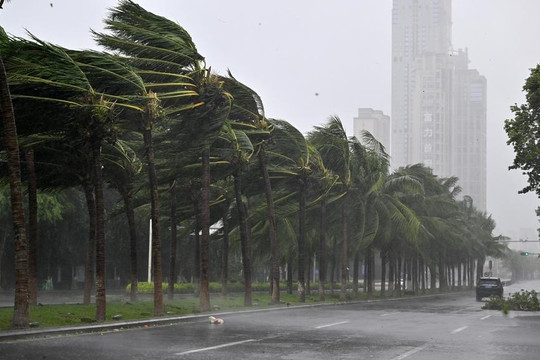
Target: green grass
(79,314)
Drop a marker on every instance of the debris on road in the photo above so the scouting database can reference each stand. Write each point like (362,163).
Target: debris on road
(215,320)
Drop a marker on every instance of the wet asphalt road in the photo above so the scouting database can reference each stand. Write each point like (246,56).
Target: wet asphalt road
(442,327)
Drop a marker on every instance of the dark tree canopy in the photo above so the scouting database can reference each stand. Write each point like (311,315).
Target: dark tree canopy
(524,132)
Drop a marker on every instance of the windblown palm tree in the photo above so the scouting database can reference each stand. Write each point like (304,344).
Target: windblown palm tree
(20,307)
(122,169)
(248,115)
(236,151)
(160,51)
(74,84)
(297,165)
(334,146)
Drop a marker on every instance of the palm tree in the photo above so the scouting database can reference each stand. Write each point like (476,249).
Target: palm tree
(248,114)
(214,111)
(236,151)
(122,168)
(20,305)
(165,56)
(172,257)
(297,164)
(378,209)
(335,149)
(77,82)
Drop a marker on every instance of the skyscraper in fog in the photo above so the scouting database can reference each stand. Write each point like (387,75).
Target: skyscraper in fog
(376,123)
(438,103)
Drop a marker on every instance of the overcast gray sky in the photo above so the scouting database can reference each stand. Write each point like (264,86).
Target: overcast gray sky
(290,50)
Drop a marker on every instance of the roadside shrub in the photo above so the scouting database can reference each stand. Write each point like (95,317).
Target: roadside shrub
(524,300)
(148,288)
(494,303)
(233,287)
(520,301)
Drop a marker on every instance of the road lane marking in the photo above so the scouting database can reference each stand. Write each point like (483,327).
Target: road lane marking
(411,352)
(387,314)
(334,324)
(458,330)
(216,347)
(485,317)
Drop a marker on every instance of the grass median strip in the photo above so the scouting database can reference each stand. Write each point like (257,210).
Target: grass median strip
(57,315)
(80,314)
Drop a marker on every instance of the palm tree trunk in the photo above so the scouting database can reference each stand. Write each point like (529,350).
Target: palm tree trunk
(172,256)
(383,272)
(333,265)
(274,251)
(465,272)
(472,279)
(322,252)
(20,304)
(205,224)
(90,255)
(156,238)
(391,271)
(290,275)
(442,272)
(356,268)
(422,267)
(309,265)
(433,276)
(101,301)
(398,286)
(301,243)
(459,275)
(32,227)
(344,257)
(415,274)
(370,269)
(197,252)
(245,239)
(225,252)
(432,268)
(130,214)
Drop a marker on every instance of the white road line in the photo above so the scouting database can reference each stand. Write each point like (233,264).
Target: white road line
(215,347)
(334,324)
(411,352)
(485,317)
(458,330)
(386,314)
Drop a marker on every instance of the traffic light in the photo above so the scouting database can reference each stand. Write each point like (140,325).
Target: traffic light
(525,253)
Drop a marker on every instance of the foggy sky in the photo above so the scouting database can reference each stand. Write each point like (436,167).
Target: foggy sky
(309,59)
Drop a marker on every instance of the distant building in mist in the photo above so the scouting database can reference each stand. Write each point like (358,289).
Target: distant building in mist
(376,123)
(438,103)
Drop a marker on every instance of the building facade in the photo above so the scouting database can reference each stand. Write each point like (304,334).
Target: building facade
(376,123)
(438,103)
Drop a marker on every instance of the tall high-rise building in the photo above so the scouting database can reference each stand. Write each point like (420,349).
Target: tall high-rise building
(438,104)
(376,123)
(469,143)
